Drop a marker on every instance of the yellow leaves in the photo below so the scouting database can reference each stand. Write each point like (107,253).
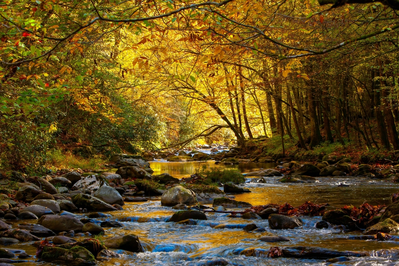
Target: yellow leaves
(285,72)
(53,128)
(67,69)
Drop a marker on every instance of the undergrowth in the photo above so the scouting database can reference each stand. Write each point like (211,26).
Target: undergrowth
(59,160)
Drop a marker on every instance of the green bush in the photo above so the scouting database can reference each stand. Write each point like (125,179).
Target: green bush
(215,176)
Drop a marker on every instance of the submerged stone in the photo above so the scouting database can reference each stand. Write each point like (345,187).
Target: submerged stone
(184,215)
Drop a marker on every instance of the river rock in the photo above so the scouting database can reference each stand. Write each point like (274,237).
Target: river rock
(328,170)
(111,224)
(132,172)
(51,204)
(272,239)
(44,195)
(27,215)
(38,210)
(73,177)
(10,216)
(92,228)
(149,187)
(37,230)
(60,181)
(91,203)
(127,242)
(111,177)
(264,172)
(165,179)
(391,210)
(90,182)
(177,195)
(387,226)
(278,221)
(230,203)
(20,234)
(307,169)
(75,256)
(363,170)
(135,199)
(250,216)
(62,240)
(67,205)
(59,223)
(234,189)
(47,186)
(5,253)
(317,253)
(8,241)
(128,160)
(200,156)
(183,215)
(109,195)
(265,213)
(27,193)
(338,217)
(4,226)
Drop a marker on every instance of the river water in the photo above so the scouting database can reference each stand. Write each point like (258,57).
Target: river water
(174,244)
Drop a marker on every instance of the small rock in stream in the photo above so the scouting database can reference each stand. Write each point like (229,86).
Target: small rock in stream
(272,239)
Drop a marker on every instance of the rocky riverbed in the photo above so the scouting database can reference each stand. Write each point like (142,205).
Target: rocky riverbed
(131,216)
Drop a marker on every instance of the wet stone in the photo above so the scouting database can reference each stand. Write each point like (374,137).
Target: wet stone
(7,241)
(111,224)
(188,221)
(27,215)
(250,227)
(272,239)
(135,199)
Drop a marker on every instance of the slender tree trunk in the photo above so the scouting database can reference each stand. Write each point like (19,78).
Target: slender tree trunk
(378,113)
(243,103)
(315,136)
(298,131)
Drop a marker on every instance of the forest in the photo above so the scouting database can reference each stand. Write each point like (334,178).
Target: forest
(108,76)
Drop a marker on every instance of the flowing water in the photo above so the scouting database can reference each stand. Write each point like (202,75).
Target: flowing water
(168,243)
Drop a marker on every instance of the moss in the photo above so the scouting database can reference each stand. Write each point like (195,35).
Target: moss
(198,188)
(129,183)
(148,184)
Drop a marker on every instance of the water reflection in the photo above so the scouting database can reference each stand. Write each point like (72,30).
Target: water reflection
(185,169)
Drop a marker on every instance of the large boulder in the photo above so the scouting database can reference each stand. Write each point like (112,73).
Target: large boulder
(51,204)
(307,169)
(38,210)
(59,223)
(184,215)
(109,195)
(127,242)
(177,195)
(387,226)
(278,221)
(91,203)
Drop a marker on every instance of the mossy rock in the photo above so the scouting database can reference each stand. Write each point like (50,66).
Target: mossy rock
(165,179)
(386,226)
(150,187)
(4,253)
(198,188)
(75,256)
(230,161)
(338,217)
(391,210)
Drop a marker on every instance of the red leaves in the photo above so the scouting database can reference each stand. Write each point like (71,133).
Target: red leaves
(312,209)
(364,214)
(321,18)
(26,34)
(275,252)
(43,243)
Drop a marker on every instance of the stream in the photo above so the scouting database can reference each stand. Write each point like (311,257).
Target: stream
(168,243)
